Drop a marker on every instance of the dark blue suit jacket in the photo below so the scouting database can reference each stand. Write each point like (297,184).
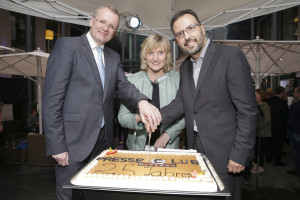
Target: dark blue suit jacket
(294,120)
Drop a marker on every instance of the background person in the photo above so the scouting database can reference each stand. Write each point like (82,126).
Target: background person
(216,96)
(279,119)
(263,130)
(1,120)
(159,83)
(32,121)
(82,78)
(294,130)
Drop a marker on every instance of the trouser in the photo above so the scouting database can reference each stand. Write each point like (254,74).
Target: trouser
(64,174)
(259,151)
(295,143)
(232,182)
(268,142)
(278,138)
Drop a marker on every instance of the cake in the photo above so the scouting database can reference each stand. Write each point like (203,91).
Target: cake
(146,170)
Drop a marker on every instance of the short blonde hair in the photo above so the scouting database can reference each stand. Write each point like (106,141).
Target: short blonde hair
(152,42)
(111,8)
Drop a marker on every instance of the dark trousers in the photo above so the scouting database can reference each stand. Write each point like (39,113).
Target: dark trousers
(278,138)
(232,182)
(268,148)
(64,174)
(259,150)
(294,136)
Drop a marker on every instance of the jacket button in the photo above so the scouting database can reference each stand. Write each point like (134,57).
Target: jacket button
(195,113)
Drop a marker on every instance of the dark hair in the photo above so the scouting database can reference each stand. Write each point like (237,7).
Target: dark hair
(297,89)
(262,94)
(181,13)
(279,90)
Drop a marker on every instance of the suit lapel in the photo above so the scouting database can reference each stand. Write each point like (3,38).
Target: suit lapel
(208,57)
(91,59)
(191,78)
(108,69)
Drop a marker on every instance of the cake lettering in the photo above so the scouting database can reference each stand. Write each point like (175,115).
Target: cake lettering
(193,162)
(111,166)
(119,159)
(130,169)
(165,173)
(158,161)
(140,160)
(156,165)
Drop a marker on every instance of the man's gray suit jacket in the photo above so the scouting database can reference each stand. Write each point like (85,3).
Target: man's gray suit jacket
(223,105)
(74,101)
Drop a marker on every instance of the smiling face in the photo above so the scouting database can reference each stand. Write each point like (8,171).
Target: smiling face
(156,60)
(192,43)
(104,25)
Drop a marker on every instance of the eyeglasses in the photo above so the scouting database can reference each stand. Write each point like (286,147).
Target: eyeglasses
(104,23)
(191,28)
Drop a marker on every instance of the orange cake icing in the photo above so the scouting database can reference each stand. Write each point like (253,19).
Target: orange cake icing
(157,165)
(180,171)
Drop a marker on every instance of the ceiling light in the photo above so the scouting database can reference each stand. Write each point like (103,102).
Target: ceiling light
(133,22)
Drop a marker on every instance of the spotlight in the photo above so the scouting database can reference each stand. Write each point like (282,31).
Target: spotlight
(133,22)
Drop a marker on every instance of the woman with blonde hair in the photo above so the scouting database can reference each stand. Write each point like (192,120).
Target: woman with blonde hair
(159,83)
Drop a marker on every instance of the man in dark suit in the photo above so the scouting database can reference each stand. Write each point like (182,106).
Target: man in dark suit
(82,78)
(279,123)
(294,130)
(216,95)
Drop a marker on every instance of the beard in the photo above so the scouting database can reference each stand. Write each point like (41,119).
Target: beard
(199,46)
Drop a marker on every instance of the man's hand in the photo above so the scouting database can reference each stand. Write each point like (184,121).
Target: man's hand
(150,115)
(62,158)
(162,141)
(234,167)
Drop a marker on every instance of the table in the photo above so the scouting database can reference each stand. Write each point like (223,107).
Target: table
(115,194)
(125,192)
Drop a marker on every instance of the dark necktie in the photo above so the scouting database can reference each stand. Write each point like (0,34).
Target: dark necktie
(155,102)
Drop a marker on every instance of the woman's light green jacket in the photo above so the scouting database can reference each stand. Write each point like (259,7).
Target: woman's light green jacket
(137,135)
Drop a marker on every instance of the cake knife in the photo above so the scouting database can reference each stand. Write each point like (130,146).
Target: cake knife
(148,129)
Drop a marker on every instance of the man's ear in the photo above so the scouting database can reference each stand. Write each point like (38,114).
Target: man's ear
(91,21)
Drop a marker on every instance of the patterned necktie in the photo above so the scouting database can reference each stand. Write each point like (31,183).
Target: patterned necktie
(100,65)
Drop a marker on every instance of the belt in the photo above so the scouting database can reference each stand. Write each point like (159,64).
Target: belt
(195,133)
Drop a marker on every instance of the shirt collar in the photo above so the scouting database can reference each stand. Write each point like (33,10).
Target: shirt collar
(92,42)
(203,52)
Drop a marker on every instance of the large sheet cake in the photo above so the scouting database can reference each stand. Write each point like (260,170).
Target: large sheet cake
(161,172)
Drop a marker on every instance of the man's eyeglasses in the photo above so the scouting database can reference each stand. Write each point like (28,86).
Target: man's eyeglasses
(191,28)
(104,23)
